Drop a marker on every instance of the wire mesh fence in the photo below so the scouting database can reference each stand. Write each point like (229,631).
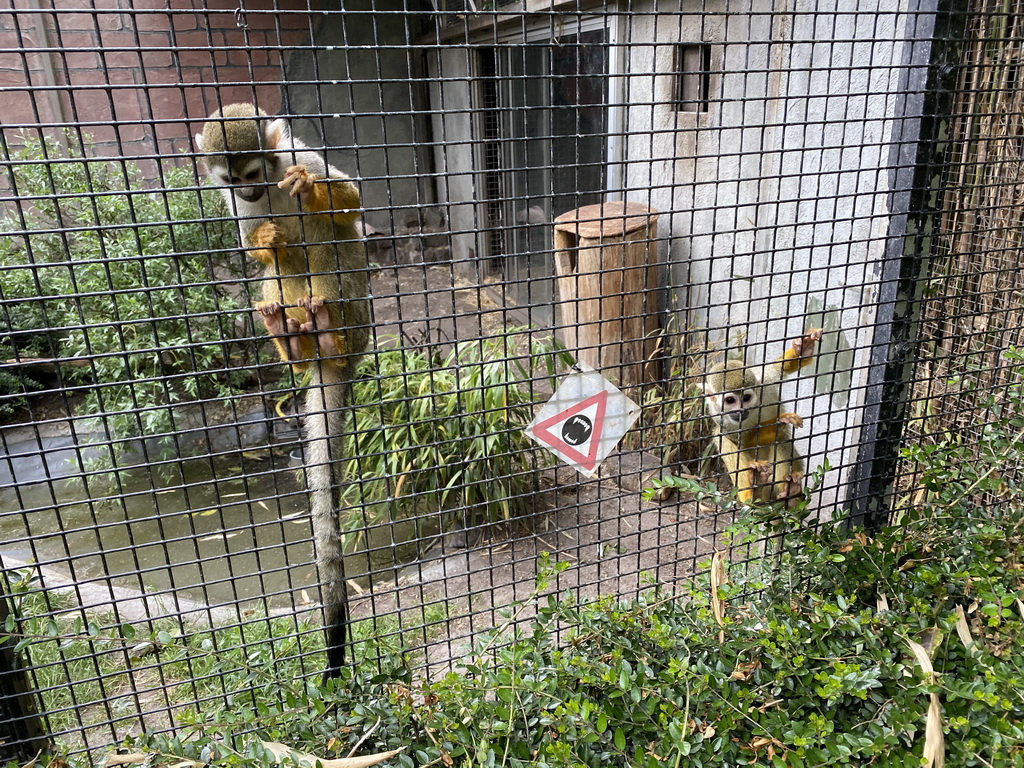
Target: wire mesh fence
(646,189)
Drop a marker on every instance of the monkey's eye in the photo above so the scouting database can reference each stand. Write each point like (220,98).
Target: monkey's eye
(251,175)
(747,397)
(730,399)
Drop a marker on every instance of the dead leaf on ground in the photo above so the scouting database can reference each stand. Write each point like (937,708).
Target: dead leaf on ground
(281,752)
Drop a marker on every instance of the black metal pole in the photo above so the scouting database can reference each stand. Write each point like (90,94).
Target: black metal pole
(22,736)
(927,85)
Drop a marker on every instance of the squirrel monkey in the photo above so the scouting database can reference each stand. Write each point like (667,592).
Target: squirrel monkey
(753,434)
(297,216)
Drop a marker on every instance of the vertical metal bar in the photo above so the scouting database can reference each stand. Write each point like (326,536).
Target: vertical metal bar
(927,82)
(22,735)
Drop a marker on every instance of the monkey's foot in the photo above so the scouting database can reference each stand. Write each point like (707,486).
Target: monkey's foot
(792,489)
(318,321)
(298,181)
(274,316)
(793,419)
(284,330)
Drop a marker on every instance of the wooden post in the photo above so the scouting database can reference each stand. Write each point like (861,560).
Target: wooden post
(610,301)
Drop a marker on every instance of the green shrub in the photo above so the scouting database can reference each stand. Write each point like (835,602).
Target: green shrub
(810,668)
(811,663)
(441,433)
(115,282)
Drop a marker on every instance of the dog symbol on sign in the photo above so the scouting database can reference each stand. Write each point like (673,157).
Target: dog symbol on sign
(584,420)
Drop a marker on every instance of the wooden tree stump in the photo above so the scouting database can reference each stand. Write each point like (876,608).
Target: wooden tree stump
(609,295)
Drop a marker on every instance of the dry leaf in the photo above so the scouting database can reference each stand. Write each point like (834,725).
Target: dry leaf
(280,752)
(219,537)
(962,628)
(882,603)
(923,659)
(717,580)
(745,671)
(1020,607)
(931,639)
(136,758)
(934,741)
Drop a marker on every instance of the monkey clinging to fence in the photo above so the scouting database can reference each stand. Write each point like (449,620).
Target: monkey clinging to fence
(754,437)
(297,216)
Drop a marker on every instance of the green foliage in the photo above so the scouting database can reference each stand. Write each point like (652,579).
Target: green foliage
(86,667)
(810,666)
(97,269)
(434,433)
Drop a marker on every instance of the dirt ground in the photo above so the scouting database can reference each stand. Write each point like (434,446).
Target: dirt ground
(616,543)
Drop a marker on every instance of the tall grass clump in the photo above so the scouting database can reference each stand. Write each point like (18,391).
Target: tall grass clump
(440,440)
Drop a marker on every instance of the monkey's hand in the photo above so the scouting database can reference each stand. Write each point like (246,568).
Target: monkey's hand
(793,419)
(338,196)
(299,182)
(761,472)
(284,330)
(792,489)
(802,351)
(318,322)
(265,243)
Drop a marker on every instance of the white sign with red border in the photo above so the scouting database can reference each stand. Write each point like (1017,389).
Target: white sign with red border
(584,420)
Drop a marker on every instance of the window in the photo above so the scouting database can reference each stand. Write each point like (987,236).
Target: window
(693,75)
(546,149)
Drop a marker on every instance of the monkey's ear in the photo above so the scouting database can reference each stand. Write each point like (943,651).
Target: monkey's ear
(711,394)
(199,142)
(278,134)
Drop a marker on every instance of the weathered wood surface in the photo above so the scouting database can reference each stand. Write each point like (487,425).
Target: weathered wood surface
(609,295)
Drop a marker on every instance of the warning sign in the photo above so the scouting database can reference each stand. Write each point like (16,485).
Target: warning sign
(584,420)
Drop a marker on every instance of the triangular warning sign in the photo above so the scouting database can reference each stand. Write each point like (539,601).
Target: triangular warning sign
(576,431)
(584,420)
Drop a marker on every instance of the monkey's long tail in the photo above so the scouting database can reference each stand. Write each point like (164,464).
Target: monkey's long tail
(324,422)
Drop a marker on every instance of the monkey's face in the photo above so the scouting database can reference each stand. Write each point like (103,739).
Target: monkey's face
(734,410)
(245,177)
(733,396)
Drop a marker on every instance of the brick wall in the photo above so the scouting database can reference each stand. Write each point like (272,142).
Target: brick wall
(115,69)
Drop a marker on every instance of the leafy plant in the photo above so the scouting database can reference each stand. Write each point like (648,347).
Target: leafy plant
(442,433)
(115,282)
(812,667)
(672,421)
(844,649)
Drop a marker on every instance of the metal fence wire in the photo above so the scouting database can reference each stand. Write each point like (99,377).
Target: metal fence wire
(645,188)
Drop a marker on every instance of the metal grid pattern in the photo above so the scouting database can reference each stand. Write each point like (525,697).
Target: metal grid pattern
(786,164)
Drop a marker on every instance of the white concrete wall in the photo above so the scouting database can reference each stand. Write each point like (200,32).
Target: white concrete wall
(779,193)
(774,201)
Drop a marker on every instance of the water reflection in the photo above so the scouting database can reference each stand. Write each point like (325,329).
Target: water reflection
(215,532)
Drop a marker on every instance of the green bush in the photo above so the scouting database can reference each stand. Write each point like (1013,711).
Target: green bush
(115,282)
(433,433)
(810,668)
